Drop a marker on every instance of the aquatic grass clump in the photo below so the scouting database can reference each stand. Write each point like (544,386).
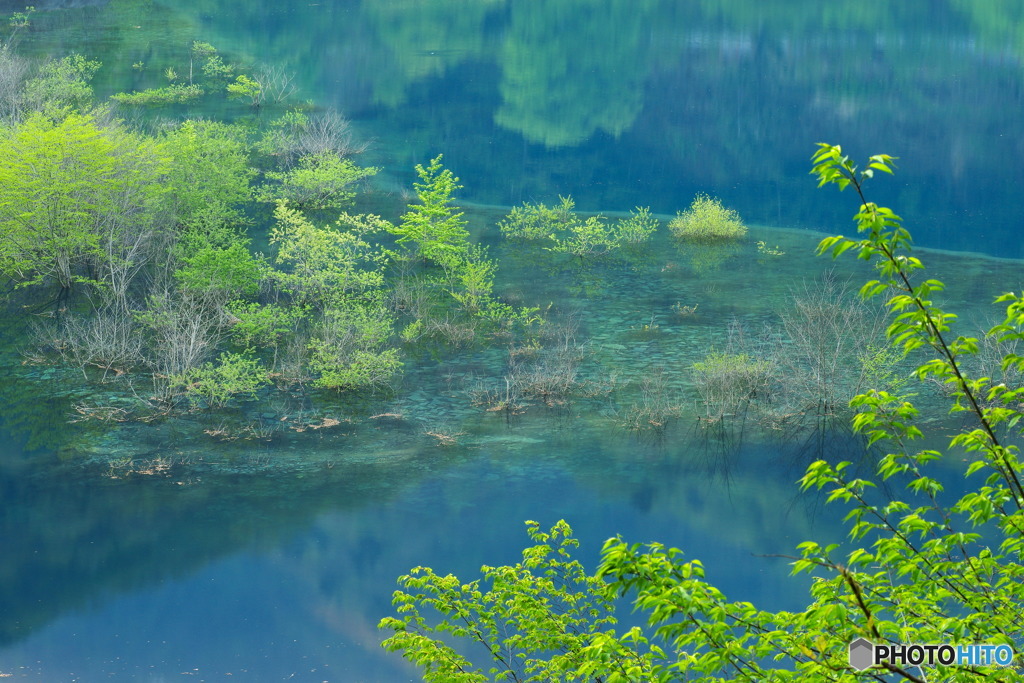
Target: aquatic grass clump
(707,219)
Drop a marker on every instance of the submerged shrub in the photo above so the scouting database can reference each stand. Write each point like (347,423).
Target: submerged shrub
(61,84)
(570,234)
(350,349)
(592,237)
(707,219)
(637,228)
(296,134)
(171,94)
(727,382)
(319,181)
(825,326)
(538,221)
(233,374)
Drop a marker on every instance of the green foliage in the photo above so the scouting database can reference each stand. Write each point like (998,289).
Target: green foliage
(707,219)
(434,228)
(21,19)
(213,67)
(228,271)
(412,332)
(246,88)
(61,85)
(336,276)
(764,250)
(176,93)
(569,234)
(533,619)
(348,351)
(537,221)
(320,181)
(277,138)
(921,567)
(190,88)
(590,237)
(880,367)
(638,228)
(209,175)
(256,325)
(232,375)
(326,265)
(74,194)
(474,280)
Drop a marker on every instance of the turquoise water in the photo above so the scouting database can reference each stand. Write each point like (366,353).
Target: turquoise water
(263,543)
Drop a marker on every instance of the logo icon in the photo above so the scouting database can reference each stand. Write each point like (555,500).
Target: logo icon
(862,654)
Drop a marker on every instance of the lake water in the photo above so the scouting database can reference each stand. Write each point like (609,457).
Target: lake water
(237,547)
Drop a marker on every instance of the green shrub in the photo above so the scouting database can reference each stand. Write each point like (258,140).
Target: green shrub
(433,229)
(61,84)
(232,375)
(537,221)
(320,181)
(349,351)
(227,271)
(573,235)
(246,88)
(592,237)
(262,325)
(707,219)
(171,94)
(637,228)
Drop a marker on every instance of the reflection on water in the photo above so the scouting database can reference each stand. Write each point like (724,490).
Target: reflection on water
(272,573)
(264,542)
(645,102)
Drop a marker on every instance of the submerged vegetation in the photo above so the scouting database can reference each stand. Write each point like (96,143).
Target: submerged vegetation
(247,280)
(707,219)
(568,233)
(924,569)
(141,237)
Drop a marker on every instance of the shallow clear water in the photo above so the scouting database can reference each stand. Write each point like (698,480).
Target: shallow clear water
(237,544)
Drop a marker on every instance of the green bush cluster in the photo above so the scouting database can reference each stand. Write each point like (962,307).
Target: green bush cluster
(538,221)
(707,219)
(568,233)
(233,374)
(175,93)
(318,181)
(176,289)
(442,265)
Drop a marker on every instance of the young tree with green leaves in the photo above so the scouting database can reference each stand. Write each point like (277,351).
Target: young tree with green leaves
(318,181)
(334,275)
(435,229)
(79,202)
(924,567)
(209,175)
(60,86)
